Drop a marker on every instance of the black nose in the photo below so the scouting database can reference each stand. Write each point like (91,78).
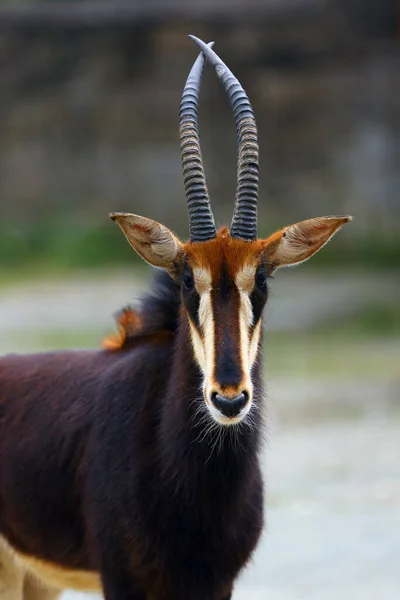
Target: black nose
(230,407)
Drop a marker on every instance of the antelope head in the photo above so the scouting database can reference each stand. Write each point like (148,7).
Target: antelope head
(223,274)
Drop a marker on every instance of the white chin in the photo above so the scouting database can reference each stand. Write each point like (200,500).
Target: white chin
(228,421)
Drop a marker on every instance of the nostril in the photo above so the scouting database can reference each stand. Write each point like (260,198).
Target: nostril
(241,400)
(218,400)
(246,395)
(230,407)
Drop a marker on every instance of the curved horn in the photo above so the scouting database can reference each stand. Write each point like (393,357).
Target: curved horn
(201,220)
(244,221)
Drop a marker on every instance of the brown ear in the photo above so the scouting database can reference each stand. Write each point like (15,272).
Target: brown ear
(296,243)
(151,240)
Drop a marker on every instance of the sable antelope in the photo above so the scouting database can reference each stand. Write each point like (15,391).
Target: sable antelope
(134,469)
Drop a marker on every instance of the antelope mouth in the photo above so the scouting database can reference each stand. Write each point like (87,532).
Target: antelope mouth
(229,411)
(229,421)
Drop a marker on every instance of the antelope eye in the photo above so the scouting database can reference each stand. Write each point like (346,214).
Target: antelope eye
(188,282)
(261,279)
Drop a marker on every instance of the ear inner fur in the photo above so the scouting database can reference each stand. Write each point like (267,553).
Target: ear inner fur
(154,242)
(296,243)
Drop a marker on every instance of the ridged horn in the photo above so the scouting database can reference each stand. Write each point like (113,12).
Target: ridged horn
(201,220)
(244,221)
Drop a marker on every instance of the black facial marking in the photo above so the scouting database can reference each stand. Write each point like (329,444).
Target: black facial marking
(228,370)
(187,281)
(228,365)
(190,297)
(225,285)
(259,295)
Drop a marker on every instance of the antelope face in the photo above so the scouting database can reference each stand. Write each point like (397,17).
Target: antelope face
(223,275)
(224,290)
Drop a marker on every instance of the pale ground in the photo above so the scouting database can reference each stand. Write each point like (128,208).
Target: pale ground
(332,458)
(333,512)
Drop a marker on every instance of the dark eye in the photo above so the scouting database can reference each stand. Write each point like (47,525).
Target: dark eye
(188,282)
(261,279)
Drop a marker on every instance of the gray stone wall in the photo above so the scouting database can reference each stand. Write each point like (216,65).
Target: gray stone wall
(89,114)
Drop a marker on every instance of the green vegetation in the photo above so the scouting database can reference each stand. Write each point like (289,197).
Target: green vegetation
(310,354)
(70,244)
(366,344)
(376,320)
(63,245)
(370,250)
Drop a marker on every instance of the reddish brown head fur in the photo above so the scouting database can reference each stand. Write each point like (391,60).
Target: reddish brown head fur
(224,290)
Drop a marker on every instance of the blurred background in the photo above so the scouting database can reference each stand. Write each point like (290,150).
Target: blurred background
(90,95)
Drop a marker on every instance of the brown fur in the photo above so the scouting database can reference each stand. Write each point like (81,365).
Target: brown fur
(128,325)
(16,583)
(234,253)
(107,467)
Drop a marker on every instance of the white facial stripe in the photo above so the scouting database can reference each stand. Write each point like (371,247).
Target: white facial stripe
(205,311)
(245,321)
(203,345)
(245,278)
(246,310)
(255,340)
(206,319)
(198,347)
(245,284)
(202,279)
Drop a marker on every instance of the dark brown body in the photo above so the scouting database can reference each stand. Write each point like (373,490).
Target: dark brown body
(103,467)
(135,470)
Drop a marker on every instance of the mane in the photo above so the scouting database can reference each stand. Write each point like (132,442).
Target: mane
(157,312)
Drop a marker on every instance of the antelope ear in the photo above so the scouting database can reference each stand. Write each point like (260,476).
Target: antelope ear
(151,240)
(296,243)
